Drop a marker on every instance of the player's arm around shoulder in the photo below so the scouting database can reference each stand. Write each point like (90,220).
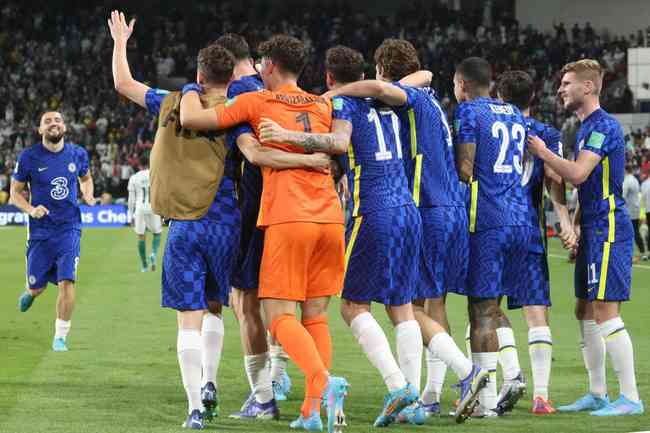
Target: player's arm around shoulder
(278,159)
(332,143)
(239,109)
(387,93)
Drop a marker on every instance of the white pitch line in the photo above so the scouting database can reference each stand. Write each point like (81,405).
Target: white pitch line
(557,256)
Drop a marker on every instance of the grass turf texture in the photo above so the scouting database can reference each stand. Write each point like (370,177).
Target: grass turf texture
(121,374)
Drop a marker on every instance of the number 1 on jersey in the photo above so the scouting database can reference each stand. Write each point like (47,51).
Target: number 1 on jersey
(303,118)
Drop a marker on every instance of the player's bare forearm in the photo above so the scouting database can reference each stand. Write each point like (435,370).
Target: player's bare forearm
(330,143)
(87,189)
(385,92)
(194,116)
(16,197)
(261,156)
(575,172)
(420,78)
(465,155)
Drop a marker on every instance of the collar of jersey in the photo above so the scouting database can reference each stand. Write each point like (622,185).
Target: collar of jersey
(593,115)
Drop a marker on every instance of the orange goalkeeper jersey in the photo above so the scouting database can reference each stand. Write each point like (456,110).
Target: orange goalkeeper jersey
(295,194)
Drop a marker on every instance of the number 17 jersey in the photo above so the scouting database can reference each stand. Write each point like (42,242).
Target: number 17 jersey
(376,176)
(497,196)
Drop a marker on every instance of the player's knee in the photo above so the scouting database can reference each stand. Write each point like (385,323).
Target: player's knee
(350,310)
(535,316)
(314,307)
(66,288)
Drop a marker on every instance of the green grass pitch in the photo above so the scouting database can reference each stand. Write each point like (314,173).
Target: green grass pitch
(121,374)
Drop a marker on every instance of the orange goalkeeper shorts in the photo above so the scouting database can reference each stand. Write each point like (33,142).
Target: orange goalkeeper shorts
(302,260)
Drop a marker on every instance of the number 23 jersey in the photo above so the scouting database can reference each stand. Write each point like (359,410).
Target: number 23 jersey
(497,196)
(52,179)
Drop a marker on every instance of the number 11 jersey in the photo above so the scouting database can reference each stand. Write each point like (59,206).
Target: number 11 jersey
(373,164)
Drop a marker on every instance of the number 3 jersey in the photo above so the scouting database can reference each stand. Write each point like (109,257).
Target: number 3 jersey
(52,179)
(497,196)
(373,164)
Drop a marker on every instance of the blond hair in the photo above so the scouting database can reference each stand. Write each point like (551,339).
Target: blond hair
(587,70)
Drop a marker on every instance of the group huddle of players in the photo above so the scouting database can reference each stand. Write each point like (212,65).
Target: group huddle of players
(256,221)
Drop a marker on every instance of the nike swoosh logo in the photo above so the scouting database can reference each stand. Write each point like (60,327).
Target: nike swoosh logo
(42,169)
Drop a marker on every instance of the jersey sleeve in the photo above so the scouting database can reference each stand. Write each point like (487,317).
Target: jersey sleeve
(131,185)
(22,169)
(602,139)
(235,89)
(153,98)
(553,139)
(342,108)
(239,109)
(411,95)
(83,162)
(465,125)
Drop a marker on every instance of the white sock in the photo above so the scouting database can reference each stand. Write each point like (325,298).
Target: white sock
(259,376)
(278,359)
(212,341)
(488,361)
(61,328)
(540,348)
(409,351)
(188,347)
(508,354)
(468,341)
(444,347)
(436,371)
(375,345)
(593,353)
(621,352)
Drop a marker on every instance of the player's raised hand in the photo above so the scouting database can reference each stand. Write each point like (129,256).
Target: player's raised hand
(271,131)
(39,212)
(120,30)
(536,145)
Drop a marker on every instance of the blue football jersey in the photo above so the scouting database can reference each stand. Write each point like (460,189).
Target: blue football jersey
(428,150)
(52,179)
(534,181)
(250,185)
(374,164)
(601,196)
(226,196)
(497,196)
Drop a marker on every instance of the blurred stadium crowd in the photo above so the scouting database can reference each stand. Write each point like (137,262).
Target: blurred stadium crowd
(57,56)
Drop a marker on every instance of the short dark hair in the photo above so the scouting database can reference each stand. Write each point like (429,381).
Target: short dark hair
(475,70)
(216,63)
(345,64)
(285,51)
(397,58)
(144,160)
(236,44)
(516,87)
